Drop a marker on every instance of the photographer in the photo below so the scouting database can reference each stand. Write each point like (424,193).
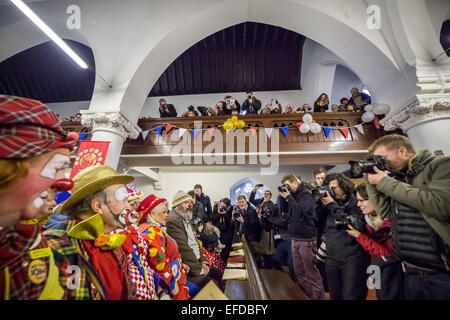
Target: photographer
(198,213)
(231,104)
(378,243)
(419,209)
(251,105)
(296,200)
(265,208)
(250,226)
(221,218)
(166,110)
(347,261)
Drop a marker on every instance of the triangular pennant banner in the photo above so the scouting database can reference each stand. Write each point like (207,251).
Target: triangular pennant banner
(182,131)
(327,131)
(168,128)
(253,130)
(211,132)
(285,130)
(344,132)
(360,128)
(195,133)
(144,134)
(377,123)
(83,136)
(298,124)
(159,130)
(269,131)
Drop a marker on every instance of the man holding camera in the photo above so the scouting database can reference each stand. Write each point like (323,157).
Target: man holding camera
(249,225)
(251,105)
(221,218)
(347,261)
(419,208)
(296,200)
(166,110)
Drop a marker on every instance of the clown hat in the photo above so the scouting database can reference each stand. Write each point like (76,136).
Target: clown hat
(133,192)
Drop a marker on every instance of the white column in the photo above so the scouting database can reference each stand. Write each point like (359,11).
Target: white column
(426,121)
(110,126)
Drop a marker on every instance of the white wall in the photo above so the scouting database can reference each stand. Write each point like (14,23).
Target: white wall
(344,80)
(216,181)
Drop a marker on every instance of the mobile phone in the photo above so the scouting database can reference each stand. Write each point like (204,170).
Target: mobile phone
(260,185)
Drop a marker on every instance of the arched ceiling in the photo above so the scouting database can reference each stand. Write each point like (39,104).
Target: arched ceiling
(44,72)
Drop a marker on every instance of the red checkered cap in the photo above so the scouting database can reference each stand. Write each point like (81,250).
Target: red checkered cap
(28,128)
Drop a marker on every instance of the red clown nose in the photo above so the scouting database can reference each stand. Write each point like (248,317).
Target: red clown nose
(63,185)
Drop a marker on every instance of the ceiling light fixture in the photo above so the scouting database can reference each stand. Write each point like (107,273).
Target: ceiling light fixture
(49,32)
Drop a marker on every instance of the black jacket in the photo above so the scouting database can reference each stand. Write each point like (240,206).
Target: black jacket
(319,108)
(198,212)
(251,227)
(204,200)
(299,206)
(251,108)
(340,245)
(224,223)
(170,113)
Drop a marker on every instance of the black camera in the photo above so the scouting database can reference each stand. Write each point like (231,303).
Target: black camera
(237,212)
(284,188)
(203,110)
(358,168)
(342,222)
(266,209)
(319,192)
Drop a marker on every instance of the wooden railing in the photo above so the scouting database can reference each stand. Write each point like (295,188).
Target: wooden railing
(294,141)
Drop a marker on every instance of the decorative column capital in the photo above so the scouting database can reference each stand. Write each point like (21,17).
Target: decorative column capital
(423,108)
(110,120)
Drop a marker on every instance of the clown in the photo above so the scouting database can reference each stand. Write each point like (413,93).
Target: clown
(34,152)
(132,216)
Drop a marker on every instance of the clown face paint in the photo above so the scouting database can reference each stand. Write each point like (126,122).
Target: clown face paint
(55,164)
(121,194)
(39,201)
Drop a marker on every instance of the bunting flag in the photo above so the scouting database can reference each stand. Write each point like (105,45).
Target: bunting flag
(253,130)
(298,124)
(269,131)
(182,131)
(327,131)
(83,136)
(285,131)
(376,123)
(360,128)
(211,132)
(344,132)
(195,133)
(168,128)
(144,134)
(90,153)
(159,130)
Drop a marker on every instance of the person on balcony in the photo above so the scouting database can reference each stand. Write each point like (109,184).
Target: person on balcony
(251,105)
(166,110)
(267,109)
(358,99)
(290,108)
(232,104)
(306,108)
(334,108)
(321,104)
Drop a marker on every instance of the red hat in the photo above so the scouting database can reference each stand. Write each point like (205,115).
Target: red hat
(148,204)
(342,99)
(28,128)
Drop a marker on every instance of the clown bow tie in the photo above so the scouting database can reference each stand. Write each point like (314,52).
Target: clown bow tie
(92,229)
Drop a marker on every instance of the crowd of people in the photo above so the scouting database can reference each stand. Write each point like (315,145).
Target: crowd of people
(252,105)
(110,241)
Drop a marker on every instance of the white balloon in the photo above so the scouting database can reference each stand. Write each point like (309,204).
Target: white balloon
(304,128)
(315,128)
(307,118)
(381,109)
(368,116)
(368,107)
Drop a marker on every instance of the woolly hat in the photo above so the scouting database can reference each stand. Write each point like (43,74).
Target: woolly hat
(342,99)
(180,197)
(133,192)
(148,204)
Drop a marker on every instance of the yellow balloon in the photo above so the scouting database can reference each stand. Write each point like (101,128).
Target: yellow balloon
(234,119)
(228,125)
(240,124)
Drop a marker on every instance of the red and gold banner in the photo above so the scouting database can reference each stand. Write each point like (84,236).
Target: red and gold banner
(90,153)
